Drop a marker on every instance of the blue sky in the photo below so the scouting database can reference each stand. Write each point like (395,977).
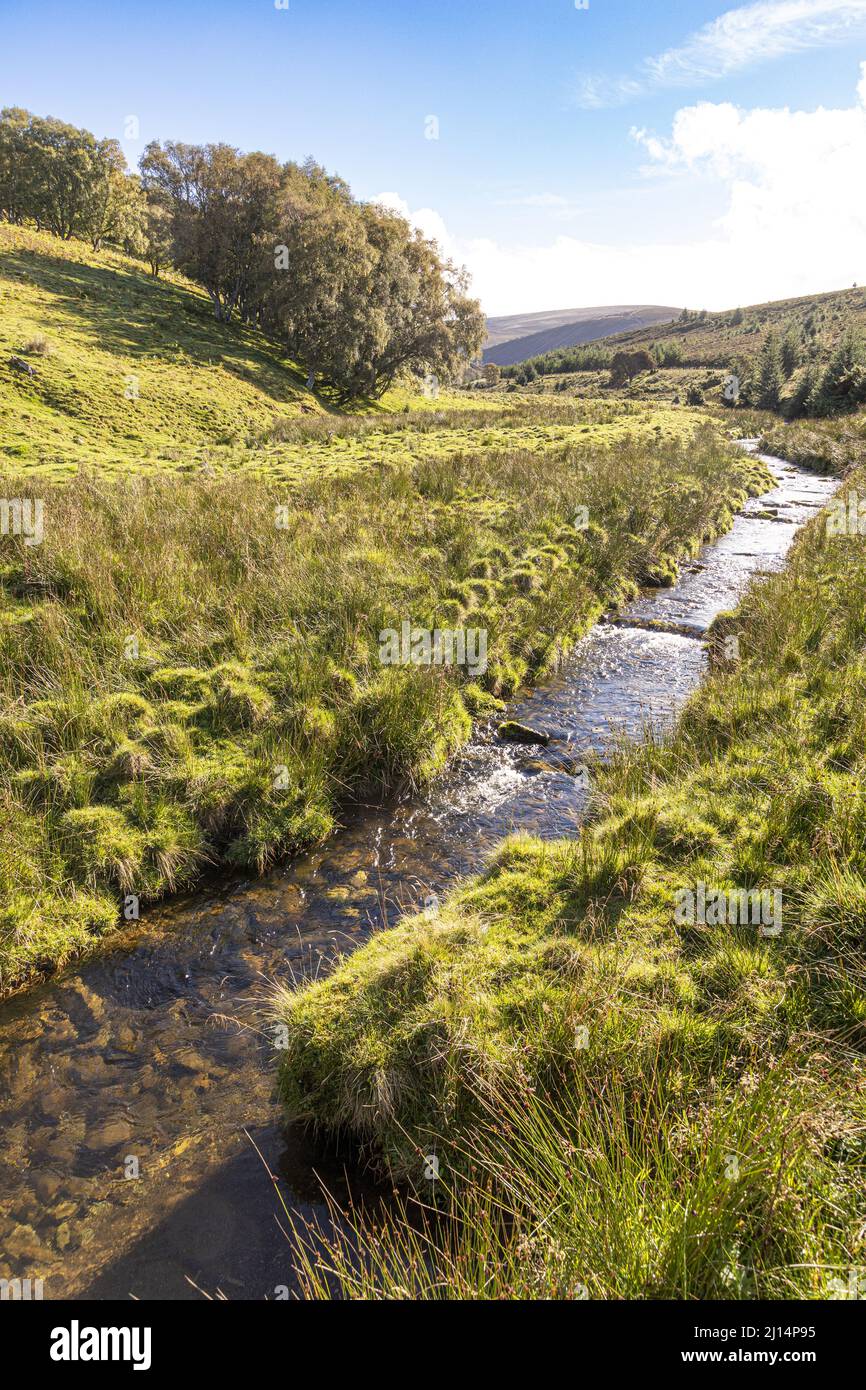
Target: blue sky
(567,167)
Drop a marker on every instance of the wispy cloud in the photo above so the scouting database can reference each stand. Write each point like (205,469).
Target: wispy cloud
(738,39)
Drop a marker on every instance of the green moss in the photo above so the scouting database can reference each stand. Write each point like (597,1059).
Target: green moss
(186,683)
(480,703)
(103,847)
(237,701)
(129,759)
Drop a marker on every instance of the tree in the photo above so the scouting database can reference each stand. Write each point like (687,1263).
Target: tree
(65,169)
(790,353)
(156,238)
(431,324)
(625,365)
(770,374)
(64,179)
(492,373)
(843,385)
(369,299)
(803,399)
(112,206)
(224,213)
(15,204)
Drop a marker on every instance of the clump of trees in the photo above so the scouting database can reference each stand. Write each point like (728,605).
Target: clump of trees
(66,181)
(557,361)
(779,380)
(352,291)
(841,386)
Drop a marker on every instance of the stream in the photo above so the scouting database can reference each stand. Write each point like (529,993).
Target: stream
(131,1086)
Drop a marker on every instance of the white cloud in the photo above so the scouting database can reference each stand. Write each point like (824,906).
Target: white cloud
(734,41)
(427,220)
(794,220)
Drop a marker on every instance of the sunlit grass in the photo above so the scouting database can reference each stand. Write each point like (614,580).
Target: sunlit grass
(191,670)
(622,1105)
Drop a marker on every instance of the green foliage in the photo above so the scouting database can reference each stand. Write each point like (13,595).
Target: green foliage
(843,386)
(349,288)
(66,180)
(625,365)
(354,293)
(770,375)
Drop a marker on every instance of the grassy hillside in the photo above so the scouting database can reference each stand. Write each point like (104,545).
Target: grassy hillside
(129,371)
(709,339)
(623,1105)
(133,374)
(696,353)
(520,336)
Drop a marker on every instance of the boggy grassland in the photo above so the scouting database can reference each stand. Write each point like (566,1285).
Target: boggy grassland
(621,1104)
(190,657)
(191,668)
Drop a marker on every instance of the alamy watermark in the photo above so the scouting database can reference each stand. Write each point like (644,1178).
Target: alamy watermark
(761,907)
(846,516)
(77,1343)
(853,1286)
(21,1290)
(22,516)
(421,646)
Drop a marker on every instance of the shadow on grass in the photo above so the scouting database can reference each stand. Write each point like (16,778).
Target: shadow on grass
(132,314)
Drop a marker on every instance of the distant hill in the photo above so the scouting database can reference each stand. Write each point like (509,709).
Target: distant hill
(816,322)
(516,337)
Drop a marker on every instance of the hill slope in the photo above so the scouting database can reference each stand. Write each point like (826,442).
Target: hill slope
(816,321)
(516,337)
(126,369)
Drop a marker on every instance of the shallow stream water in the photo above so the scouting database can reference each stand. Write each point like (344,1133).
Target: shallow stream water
(154,1051)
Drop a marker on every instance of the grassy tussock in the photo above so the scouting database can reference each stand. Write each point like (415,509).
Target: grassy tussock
(622,1103)
(185,681)
(830,445)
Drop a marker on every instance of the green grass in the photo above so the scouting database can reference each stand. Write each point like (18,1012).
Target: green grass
(189,665)
(130,371)
(663,388)
(190,670)
(830,445)
(134,375)
(623,1104)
